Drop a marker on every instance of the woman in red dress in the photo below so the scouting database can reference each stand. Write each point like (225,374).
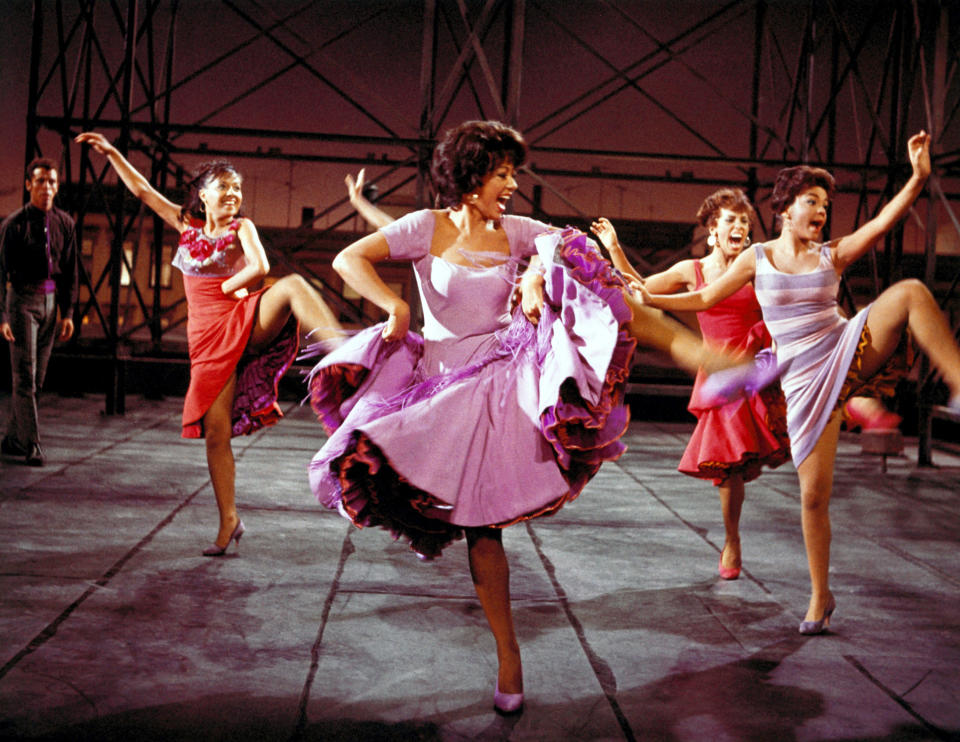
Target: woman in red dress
(733,438)
(241,342)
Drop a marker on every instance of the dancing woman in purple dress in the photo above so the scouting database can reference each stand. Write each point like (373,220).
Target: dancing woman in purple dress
(490,417)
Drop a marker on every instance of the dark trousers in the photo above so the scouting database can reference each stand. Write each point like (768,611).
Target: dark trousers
(33,319)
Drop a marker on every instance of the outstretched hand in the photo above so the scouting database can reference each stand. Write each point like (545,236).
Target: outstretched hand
(645,296)
(635,284)
(96,140)
(355,188)
(918,148)
(605,232)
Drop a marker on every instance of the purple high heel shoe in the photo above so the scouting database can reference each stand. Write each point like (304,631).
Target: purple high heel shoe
(216,551)
(722,386)
(507,703)
(818,627)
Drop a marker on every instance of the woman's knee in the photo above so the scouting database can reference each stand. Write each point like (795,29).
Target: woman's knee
(909,291)
(293,284)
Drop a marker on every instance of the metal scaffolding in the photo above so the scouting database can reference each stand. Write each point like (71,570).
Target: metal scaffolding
(609,93)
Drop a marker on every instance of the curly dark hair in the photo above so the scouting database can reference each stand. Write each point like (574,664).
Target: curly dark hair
(792,181)
(726,198)
(202,177)
(468,152)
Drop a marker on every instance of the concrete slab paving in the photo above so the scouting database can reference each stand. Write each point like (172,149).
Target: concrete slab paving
(112,626)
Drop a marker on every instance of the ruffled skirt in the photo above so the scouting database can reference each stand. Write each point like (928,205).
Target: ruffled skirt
(218,331)
(742,436)
(513,435)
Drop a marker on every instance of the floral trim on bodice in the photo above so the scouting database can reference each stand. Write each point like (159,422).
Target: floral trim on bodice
(199,254)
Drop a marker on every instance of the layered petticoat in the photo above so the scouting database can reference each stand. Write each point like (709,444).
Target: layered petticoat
(218,331)
(512,435)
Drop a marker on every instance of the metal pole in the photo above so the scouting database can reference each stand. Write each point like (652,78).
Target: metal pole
(116,390)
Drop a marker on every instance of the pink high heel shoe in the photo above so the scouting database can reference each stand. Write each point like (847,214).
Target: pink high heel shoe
(876,419)
(216,551)
(727,573)
(507,703)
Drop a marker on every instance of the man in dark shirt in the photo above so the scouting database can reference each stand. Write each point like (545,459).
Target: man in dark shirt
(38,256)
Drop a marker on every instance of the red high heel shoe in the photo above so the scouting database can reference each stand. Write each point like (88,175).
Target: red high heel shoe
(878,418)
(727,573)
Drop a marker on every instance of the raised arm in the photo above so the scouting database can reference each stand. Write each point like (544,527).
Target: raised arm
(607,235)
(132,179)
(738,274)
(355,264)
(375,216)
(851,247)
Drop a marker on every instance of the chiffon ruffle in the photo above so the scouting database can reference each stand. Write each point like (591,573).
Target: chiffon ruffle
(512,435)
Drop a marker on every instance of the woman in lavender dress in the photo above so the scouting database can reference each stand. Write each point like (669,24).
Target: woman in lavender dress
(489,418)
(241,342)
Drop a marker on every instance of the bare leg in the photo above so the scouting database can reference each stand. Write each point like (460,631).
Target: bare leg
(910,304)
(293,295)
(731,503)
(816,485)
(653,329)
(220,463)
(491,580)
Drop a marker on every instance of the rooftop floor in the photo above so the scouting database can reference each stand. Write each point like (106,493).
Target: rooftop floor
(112,626)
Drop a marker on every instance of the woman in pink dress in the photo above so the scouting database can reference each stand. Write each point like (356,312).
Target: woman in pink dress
(733,439)
(240,342)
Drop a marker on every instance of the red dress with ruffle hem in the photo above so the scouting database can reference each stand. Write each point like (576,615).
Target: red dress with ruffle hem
(750,431)
(218,330)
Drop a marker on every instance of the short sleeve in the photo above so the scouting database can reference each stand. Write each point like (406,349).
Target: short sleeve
(521,231)
(409,237)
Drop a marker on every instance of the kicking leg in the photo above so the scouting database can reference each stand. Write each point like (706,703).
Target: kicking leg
(293,295)
(653,329)
(910,304)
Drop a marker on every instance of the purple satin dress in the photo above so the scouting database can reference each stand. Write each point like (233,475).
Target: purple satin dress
(486,419)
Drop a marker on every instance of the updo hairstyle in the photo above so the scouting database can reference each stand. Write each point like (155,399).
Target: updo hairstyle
(470,151)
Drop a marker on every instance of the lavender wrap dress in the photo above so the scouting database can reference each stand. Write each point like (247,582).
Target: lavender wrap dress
(815,344)
(486,419)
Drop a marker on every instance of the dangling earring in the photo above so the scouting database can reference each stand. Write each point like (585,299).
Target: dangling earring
(746,241)
(712,240)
